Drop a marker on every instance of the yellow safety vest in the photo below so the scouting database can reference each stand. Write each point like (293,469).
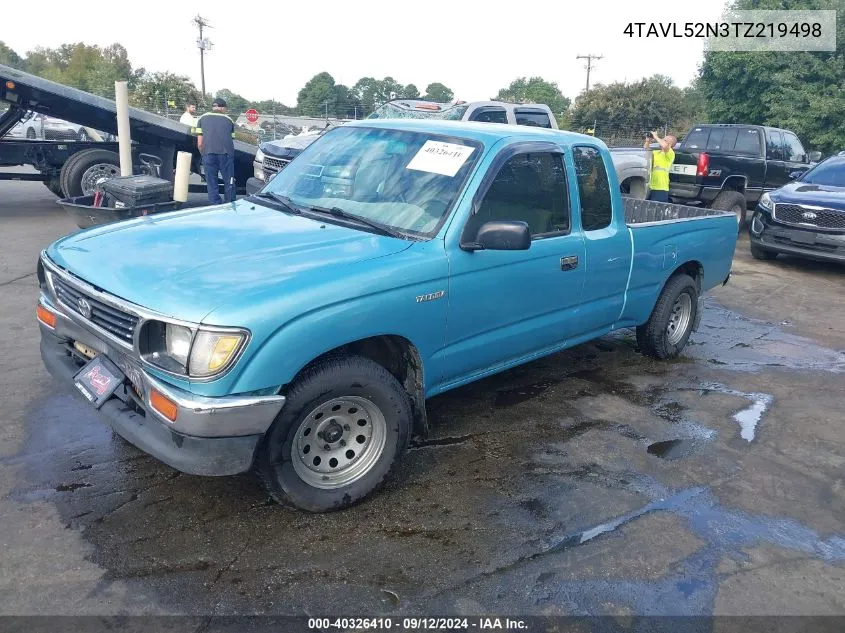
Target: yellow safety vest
(660,163)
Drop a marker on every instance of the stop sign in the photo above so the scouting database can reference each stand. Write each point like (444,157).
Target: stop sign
(252,115)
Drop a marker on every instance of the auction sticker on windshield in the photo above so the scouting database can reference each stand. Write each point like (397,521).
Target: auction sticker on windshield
(437,157)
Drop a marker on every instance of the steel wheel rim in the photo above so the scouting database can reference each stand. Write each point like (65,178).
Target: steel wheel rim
(354,430)
(679,318)
(97,174)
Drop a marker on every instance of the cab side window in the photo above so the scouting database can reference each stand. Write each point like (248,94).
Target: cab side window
(489,115)
(528,188)
(593,188)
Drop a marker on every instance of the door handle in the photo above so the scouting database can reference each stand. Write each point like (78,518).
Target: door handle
(569,262)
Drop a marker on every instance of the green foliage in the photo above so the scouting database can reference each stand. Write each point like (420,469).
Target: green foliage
(438,92)
(801,91)
(153,90)
(637,107)
(535,90)
(8,57)
(411,92)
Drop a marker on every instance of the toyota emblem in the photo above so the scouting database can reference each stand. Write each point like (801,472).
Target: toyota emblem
(84,307)
(809,215)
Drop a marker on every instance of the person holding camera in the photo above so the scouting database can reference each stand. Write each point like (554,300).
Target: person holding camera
(661,163)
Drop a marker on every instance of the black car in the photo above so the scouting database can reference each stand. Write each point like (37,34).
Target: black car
(728,167)
(804,218)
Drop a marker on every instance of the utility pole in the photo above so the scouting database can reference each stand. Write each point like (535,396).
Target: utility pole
(203,44)
(589,65)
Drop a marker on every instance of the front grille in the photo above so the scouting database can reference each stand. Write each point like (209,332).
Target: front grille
(801,215)
(120,324)
(274,165)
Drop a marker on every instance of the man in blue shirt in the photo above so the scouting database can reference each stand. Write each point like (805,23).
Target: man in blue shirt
(215,132)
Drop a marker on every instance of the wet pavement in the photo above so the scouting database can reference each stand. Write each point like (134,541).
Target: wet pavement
(592,482)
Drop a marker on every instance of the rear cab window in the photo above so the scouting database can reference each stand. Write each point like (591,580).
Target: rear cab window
(532,117)
(722,139)
(697,138)
(489,114)
(774,145)
(748,142)
(593,188)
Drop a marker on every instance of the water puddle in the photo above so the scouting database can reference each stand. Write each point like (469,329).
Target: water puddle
(671,449)
(510,397)
(750,417)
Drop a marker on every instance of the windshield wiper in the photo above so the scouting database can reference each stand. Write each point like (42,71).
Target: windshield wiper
(378,226)
(286,202)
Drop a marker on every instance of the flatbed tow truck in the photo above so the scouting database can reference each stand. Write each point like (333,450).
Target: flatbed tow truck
(75,168)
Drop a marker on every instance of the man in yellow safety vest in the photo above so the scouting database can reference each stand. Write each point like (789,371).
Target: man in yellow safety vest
(661,162)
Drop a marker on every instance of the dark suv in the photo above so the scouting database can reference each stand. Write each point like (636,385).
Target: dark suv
(729,167)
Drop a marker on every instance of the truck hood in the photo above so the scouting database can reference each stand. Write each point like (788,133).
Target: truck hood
(183,264)
(814,195)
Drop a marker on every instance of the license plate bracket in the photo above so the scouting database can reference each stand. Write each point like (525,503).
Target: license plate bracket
(98,379)
(803,237)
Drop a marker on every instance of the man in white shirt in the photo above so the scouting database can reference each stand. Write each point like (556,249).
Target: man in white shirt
(189,115)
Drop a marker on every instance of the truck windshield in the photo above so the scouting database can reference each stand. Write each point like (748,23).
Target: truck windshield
(830,173)
(406,181)
(419,110)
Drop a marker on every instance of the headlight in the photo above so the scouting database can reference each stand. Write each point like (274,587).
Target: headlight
(259,156)
(196,353)
(213,351)
(766,202)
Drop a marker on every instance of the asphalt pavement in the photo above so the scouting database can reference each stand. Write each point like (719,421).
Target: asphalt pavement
(595,481)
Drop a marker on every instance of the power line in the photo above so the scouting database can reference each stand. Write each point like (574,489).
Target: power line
(203,44)
(589,65)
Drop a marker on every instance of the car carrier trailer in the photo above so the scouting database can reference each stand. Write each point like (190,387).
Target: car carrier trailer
(74,168)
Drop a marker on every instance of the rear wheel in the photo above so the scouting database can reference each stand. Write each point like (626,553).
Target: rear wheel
(761,253)
(82,135)
(735,202)
(83,174)
(344,423)
(668,328)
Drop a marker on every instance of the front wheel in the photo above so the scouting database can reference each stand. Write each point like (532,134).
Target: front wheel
(668,328)
(735,202)
(345,422)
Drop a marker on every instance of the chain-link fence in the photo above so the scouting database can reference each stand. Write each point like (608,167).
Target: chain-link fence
(622,135)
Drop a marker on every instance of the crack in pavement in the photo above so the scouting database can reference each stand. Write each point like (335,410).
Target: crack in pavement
(11,281)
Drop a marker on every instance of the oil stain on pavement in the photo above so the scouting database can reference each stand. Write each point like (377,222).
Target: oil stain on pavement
(592,482)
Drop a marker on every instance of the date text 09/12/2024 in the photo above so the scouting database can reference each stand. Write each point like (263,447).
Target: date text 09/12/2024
(418,623)
(723,29)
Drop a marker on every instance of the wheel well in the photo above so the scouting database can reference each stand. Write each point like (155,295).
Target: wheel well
(398,356)
(633,185)
(734,183)
(692,268)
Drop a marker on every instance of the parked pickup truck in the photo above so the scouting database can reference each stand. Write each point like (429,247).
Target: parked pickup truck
(729,167)
(299,332)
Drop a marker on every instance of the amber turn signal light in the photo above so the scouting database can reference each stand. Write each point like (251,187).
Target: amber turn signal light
(45,316)
(164,405)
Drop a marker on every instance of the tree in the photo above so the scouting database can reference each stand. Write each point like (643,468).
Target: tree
(154,90)
(235,103)
(317,95)
(410,92)
(8,57)
(801,91)
(535,90)
(438,92)
(630,110)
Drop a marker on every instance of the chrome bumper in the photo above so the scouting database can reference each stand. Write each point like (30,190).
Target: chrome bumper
(198,416)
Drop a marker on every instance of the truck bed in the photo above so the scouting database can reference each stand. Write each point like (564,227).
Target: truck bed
(639,212)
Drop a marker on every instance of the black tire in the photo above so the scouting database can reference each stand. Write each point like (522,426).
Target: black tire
(653,338)
(351,376)
(53,186)
(31,134)
(735,202)
(64,172)
(757,252)
(79,163)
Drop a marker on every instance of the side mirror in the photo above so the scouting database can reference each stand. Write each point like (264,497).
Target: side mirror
(501,235)
(814,157)
(796,175)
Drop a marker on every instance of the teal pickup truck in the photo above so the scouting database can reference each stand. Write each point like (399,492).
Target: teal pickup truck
(298,332)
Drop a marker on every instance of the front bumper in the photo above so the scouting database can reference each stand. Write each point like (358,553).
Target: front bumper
(210,436)
(778,238)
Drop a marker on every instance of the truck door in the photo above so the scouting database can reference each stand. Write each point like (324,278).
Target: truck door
(776,167)
(607,242)
(507,305)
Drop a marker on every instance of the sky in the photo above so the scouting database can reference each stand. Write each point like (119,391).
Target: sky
(265,50)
